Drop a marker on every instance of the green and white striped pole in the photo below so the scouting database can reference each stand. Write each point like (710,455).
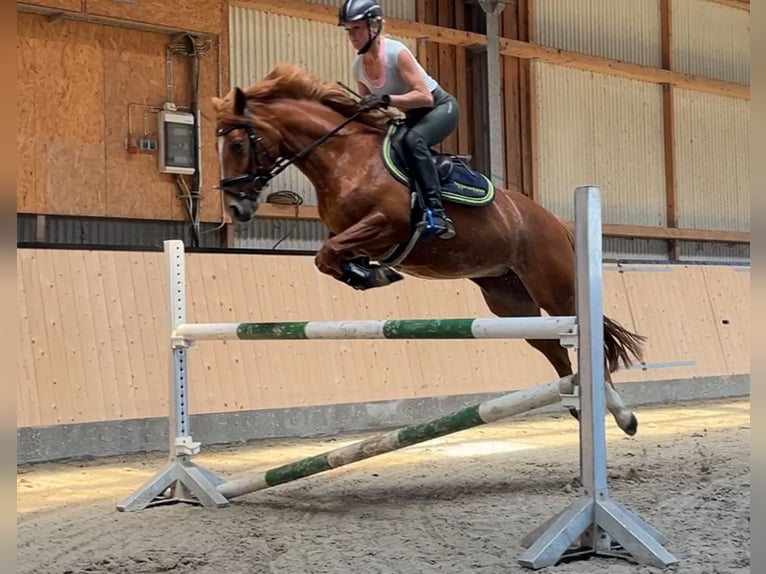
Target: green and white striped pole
(476,415)
(484,328)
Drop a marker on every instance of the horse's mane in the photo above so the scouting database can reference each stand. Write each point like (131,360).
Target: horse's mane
(288,80)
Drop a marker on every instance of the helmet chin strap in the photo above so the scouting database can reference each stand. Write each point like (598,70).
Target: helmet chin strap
(368,44)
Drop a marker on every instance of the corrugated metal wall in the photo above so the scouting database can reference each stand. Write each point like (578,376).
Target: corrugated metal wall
(259,40)
(712,132)
(711,40)
(97,231)
(599,129)
(606,131)
(712,168)
(280,234)
(401,9)
(626,30)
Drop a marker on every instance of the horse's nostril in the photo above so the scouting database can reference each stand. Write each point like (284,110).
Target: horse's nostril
(239,213)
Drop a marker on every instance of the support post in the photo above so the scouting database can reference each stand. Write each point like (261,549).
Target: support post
(593,519)
(180,480)
(492,9)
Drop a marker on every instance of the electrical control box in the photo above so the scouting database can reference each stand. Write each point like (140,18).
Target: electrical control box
(176,142)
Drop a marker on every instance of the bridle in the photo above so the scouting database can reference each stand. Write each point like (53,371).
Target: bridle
(257,174)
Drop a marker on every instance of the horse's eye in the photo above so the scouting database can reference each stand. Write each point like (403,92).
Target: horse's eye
(237,146)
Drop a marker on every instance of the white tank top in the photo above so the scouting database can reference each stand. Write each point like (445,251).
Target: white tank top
(390,82)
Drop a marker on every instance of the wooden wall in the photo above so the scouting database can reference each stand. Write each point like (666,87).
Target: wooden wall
(92,344)
(191,15)
(75,80)
(518,95)
(457,71)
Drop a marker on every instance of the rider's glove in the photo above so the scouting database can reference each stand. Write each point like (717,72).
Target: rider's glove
(373,102)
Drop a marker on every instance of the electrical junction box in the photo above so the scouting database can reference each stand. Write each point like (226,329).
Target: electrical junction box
(176,139)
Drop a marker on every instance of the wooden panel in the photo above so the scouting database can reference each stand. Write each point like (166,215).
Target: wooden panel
(448,65)
(134,73)
(76,81)
(27,192)
(221,45)
(510,89)
(69,5)
(672,309)
(92,342)
(61,125)
(738,4)
(30,351)
(210,81)
(191,15)
(461,90)
(529,97)
(668,123)
(729,293)
(432,61)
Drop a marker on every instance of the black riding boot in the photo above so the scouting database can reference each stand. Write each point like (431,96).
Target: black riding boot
(428,182)
(443,226)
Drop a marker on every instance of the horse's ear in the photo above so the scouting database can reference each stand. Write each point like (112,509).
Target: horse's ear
(240,102)
(217,102)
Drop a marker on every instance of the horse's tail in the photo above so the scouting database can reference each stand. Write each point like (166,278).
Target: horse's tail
(620,344)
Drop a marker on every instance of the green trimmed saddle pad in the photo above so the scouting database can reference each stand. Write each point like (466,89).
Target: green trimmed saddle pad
(460,183)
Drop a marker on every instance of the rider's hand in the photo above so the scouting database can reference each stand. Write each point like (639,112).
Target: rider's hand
(373,102)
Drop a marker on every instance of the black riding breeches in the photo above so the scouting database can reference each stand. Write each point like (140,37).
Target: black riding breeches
(428,127)
(436,123)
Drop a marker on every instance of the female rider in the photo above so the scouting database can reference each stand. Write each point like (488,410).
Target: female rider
(389,74)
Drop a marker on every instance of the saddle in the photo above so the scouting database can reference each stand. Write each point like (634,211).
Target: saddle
(460,183)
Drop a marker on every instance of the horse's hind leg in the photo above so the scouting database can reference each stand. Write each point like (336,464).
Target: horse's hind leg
(507,296)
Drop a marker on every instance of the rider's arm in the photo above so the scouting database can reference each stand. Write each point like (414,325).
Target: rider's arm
(418,96)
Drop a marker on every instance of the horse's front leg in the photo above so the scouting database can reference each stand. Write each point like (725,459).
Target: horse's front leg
(336,256)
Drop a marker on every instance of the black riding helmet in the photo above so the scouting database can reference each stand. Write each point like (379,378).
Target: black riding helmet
(367,10)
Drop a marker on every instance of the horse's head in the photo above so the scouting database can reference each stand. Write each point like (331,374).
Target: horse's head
(248,150)
(279,120)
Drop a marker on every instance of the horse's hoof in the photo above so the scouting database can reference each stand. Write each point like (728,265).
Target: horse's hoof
(361,277)
(390,275)
(632,426)
(357,276)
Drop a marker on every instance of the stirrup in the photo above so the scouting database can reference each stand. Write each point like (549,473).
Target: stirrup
(438,225)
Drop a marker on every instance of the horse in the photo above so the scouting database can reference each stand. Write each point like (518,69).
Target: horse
(520,255)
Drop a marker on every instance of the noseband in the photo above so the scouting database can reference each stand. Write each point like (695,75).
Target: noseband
(256,174)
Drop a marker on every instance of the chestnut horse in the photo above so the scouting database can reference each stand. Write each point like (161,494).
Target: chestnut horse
(519,254)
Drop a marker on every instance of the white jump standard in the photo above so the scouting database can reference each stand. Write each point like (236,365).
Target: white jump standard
(593,524)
